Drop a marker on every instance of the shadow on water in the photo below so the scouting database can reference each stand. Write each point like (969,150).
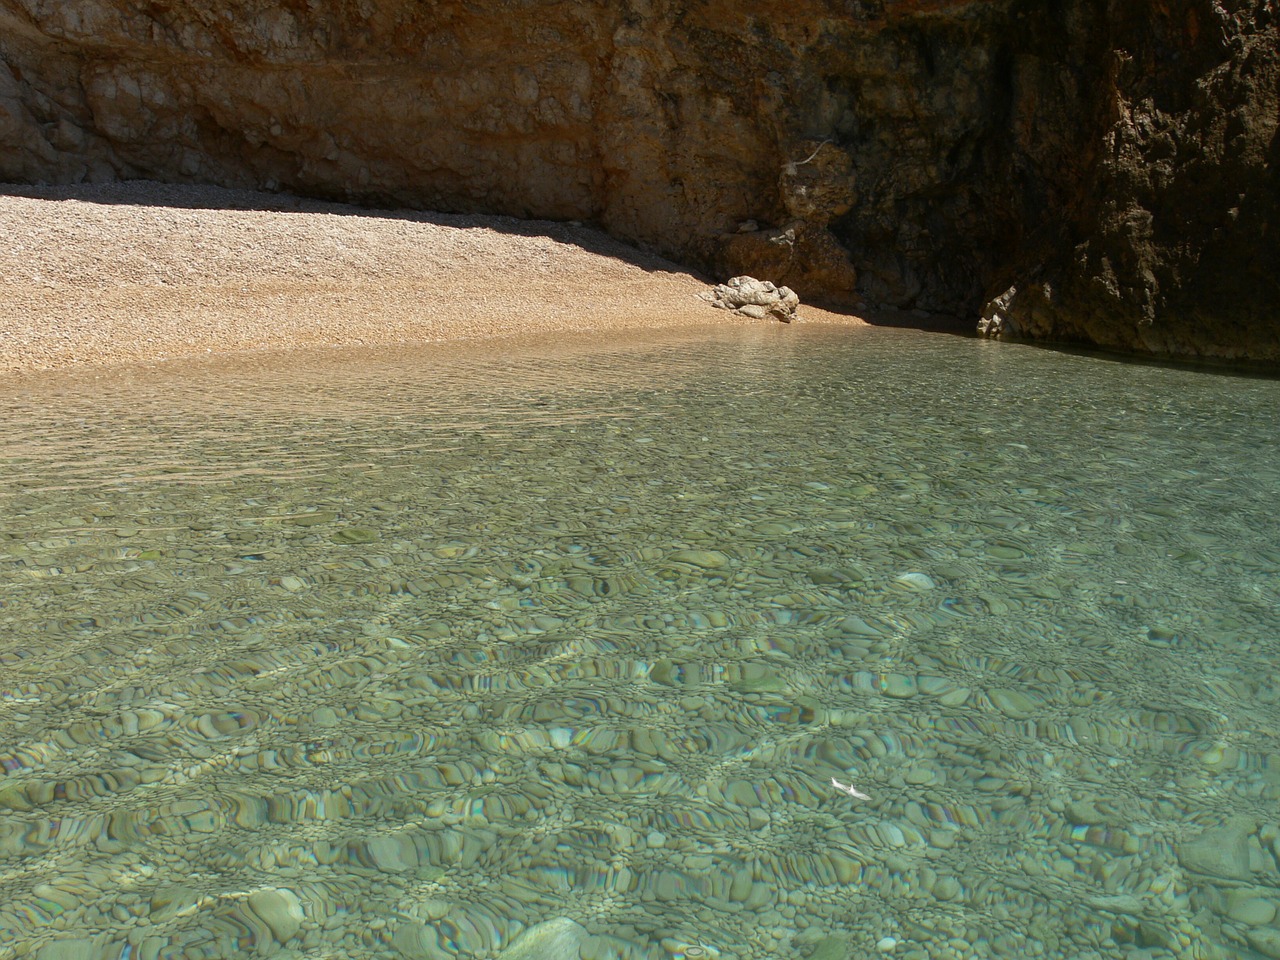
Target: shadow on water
(1249,369)
(919,320)
(966,328)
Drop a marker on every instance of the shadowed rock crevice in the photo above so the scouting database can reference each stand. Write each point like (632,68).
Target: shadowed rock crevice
(1112,164)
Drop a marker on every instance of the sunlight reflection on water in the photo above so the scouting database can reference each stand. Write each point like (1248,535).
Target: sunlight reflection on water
(403,653)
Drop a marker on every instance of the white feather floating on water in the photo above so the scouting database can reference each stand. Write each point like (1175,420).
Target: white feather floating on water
(850,789)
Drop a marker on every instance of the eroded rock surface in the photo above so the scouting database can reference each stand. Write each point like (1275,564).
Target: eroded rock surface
(1166,244)
(1116,163)
(754,299)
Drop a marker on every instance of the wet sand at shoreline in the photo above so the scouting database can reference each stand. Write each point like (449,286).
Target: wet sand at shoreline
(139,272)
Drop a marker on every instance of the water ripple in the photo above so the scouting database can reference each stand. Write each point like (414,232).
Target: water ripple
(399,654)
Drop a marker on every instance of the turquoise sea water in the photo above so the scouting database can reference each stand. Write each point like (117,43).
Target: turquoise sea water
(557,652)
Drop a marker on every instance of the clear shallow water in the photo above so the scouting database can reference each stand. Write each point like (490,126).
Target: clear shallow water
(402,654)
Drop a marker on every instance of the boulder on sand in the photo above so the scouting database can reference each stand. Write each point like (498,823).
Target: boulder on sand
(754,298)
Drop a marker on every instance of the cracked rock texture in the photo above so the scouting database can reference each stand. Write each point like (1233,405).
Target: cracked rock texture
(1101,171)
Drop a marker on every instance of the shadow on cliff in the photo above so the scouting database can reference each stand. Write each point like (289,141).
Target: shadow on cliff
(149,193)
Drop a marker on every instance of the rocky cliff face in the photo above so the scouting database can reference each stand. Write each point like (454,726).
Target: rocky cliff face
(1096,170)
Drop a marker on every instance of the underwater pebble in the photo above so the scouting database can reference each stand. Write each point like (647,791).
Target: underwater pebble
(706,559)
(947,888)
(1013,703)
(279,909)
(1002,552)
(1220,851)
(1266,940)
(70,949)
(916,581)
(831,948)
(955,698)
(1253,911)
(934,686)
(898,686)
(680,949)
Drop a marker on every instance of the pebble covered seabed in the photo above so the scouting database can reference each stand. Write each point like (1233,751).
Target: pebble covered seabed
(556,653)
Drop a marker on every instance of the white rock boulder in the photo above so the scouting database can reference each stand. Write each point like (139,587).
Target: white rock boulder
(754,298)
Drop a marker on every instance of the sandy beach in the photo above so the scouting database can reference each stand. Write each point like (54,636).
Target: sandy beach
(139,272)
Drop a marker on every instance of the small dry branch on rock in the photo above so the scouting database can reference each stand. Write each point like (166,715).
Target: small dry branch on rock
(754,298)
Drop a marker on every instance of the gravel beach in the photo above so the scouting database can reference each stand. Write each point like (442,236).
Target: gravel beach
(139,272)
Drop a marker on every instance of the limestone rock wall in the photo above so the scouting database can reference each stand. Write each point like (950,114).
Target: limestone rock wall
(1168,244)
(1110,162)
